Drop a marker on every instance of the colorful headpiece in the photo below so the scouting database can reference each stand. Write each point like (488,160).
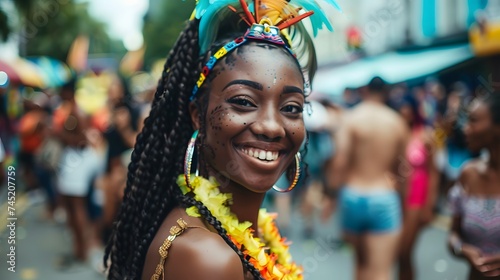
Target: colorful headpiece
(267,20)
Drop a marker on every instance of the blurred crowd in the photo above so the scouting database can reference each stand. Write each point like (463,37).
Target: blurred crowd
(77,158)
(387,159)
(72,148)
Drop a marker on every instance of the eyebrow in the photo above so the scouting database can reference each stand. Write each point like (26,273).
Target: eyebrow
(292,89)
(251,84)
(259,86)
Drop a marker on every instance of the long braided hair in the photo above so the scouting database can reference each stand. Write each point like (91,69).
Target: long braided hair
(151,191)
(157,159)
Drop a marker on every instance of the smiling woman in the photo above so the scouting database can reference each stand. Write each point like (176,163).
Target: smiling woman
(226,122)
(254,119)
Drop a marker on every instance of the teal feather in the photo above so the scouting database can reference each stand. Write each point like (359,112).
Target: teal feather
(251,8)
(205,6)
(318,18)
(335,4)
(208,13)
(211,13)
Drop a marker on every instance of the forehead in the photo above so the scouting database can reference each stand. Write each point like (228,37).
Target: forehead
(259,60)
(261,48)
(260,53)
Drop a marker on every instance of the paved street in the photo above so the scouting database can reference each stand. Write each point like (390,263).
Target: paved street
(40,244)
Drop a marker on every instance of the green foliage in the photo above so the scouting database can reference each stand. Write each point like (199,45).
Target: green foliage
(4,26)
(50,26)
(162,27)
(24,6)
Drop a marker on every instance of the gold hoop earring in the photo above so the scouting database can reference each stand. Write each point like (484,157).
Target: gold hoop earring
(188,159)
(295,178)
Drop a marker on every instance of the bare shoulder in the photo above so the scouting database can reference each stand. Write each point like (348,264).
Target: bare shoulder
(347,121)
(398,123)
(347,116)
(470,173)
(199,254)
(196,253)
(471,168)
(401,124)
(373,112)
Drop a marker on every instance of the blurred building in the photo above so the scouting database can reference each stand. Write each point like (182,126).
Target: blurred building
(389,25)
(400,40)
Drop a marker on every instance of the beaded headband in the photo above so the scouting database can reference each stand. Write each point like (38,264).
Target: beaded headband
(267,23)
(256,32)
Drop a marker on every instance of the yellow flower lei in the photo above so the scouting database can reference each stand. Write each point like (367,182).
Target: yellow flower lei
(275,265)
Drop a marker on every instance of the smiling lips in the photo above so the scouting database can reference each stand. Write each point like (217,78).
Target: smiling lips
(261,154)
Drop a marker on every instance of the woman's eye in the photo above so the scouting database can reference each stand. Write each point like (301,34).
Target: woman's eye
(241,102)
(294,109)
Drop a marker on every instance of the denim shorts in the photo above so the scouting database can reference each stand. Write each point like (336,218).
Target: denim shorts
(372,211)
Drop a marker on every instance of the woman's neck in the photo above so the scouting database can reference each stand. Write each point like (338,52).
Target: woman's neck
(246,204)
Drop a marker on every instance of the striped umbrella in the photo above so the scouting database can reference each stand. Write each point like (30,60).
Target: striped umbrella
(55,73)
(24,72)
(8,75)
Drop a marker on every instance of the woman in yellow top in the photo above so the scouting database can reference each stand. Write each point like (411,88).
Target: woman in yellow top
(225,123)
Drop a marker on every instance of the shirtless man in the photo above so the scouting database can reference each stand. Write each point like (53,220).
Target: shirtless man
(371,144)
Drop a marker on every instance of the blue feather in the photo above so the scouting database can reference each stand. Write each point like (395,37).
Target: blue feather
(204,5)
(208,11)
(250,7)
(335,4)
(318,18)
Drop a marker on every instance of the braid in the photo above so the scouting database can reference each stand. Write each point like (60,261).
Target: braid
(156,161)
(207,215)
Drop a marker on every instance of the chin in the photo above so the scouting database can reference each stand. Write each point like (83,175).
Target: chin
(259,183)
(262,184)
(250,181)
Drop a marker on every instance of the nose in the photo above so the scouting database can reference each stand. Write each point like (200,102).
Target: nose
(268,126)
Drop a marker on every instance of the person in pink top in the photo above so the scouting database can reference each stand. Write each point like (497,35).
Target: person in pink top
(420,196)
(475,198)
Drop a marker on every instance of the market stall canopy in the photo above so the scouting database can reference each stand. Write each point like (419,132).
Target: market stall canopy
(394,67)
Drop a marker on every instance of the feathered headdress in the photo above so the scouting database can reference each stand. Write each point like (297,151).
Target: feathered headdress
(270,20)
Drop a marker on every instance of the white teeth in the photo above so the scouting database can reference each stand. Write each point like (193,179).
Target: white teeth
(262,155)
(269,155)
(256,154)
